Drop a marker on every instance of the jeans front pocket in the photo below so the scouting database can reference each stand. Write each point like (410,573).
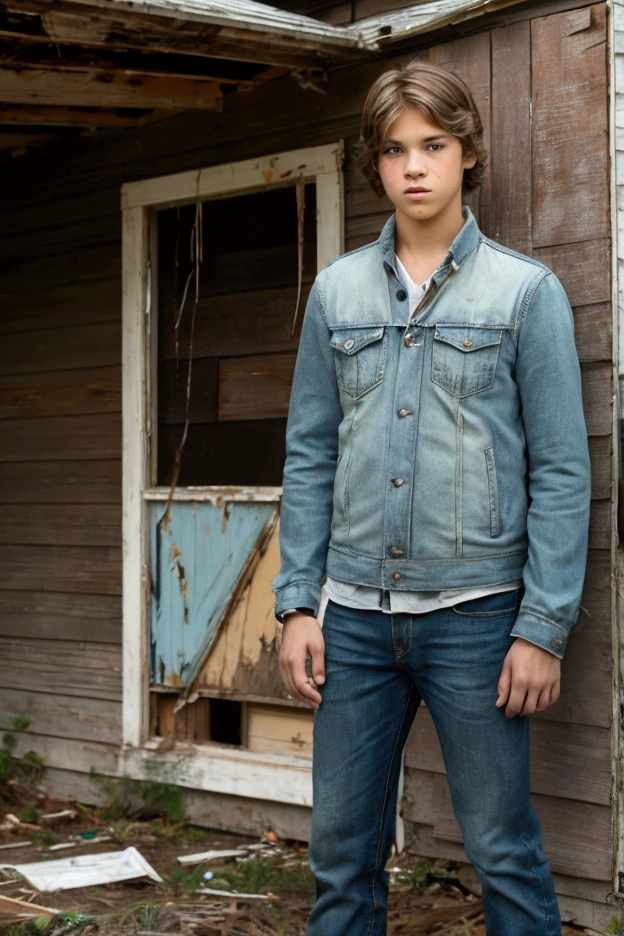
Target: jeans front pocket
(497,604)
(360,356)
(463,358)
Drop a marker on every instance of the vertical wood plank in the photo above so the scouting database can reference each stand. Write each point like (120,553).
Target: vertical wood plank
(469,58)
(135,240)
(570,153)
(506,211)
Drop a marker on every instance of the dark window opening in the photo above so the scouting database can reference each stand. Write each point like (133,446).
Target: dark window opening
(226,721)
(243,349)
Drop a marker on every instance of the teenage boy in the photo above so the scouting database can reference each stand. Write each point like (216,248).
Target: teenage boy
(437,482)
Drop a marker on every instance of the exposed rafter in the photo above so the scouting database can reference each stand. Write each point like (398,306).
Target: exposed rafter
(106,89)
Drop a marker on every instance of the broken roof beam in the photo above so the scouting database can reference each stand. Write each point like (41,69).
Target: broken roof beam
(105,89)
(45,116)
(397,25)
(22,52)
(241,30)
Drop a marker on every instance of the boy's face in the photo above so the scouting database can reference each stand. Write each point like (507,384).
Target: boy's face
(422,168)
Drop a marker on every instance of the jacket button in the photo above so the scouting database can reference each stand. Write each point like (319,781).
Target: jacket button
(401,295)
(398,481)
(396,550)
(397,575)
(558,642)
(408,341)
(467,343)
(404,412)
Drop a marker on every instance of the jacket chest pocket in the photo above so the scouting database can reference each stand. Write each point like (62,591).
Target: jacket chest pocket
(463,358)
(360,357)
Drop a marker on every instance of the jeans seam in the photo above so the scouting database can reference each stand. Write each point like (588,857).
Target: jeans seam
(383,813)
(398,654)
(545,913)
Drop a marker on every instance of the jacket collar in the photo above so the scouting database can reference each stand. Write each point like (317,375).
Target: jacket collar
(463,245)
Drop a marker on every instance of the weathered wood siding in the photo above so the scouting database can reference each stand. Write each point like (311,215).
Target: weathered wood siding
(60,568)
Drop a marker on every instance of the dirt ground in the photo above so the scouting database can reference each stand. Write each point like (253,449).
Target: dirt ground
(265,891)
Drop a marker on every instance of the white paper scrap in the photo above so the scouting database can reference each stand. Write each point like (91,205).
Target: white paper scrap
(86,870)
(211,855)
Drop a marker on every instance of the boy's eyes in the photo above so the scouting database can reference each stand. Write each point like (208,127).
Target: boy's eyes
(433,147)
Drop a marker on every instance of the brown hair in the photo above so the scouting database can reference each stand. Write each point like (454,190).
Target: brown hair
(441,96)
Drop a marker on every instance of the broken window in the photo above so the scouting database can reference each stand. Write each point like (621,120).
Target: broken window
(233,275)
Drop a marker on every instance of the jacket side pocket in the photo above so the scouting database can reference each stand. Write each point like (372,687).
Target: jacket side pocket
(492,491)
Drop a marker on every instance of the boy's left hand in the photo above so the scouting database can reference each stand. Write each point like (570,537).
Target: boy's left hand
(530,680)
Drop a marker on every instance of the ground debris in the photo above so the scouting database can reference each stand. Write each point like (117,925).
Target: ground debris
(14,910)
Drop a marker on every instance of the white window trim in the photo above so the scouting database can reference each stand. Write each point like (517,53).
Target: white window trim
(139,202)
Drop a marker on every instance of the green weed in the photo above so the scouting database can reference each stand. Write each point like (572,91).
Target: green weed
(141,799)
(27,769)
(186,880)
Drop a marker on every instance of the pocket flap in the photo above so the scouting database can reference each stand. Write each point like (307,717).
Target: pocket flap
(468,337)
(351,340)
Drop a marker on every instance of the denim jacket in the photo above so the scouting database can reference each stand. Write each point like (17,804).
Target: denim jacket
(445,452)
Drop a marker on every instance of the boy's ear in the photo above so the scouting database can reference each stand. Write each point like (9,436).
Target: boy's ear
(469,160)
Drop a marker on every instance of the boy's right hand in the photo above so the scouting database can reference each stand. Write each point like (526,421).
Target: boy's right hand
(302,638)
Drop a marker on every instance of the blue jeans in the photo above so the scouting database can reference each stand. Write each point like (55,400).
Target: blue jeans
(378,668)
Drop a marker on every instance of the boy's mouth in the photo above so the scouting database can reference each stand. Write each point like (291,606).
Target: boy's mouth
(416,190)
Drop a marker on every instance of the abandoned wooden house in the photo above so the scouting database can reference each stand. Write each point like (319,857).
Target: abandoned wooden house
(172,175)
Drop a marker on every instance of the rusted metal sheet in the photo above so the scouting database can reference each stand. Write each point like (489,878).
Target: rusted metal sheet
(197,561)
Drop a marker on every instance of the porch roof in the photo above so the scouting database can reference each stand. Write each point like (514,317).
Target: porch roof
(71,65)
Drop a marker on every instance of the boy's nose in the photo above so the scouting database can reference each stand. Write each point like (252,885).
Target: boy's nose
(415,166)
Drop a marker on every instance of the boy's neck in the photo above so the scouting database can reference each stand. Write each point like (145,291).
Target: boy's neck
(423,245)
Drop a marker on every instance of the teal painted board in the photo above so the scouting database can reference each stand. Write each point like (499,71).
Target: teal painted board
(196,562)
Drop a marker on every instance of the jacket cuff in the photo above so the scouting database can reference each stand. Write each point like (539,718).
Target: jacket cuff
(541,632)
(299,595)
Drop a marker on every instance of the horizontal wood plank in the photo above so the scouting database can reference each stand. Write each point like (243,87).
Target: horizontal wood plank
(173,386)
(226,453)
(570,761)
(85,569)
(273,729)
(61,525)
(25,625)
(66,667)
(57,616)
(84,756)
(86,265)
(600,451)
(39,308)
(61,393)
(593,331)
(239,271)
(600,525)
(584,270)
(44,241)
(63,716)
(61,482)
(255,387)
(61,349)
(577,835)
(598,398)
(92,88)
(65,438)
(261,321)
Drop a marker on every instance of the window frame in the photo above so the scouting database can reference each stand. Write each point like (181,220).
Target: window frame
(140,202)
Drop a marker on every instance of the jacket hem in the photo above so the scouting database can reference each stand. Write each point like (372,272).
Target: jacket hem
(426,574)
